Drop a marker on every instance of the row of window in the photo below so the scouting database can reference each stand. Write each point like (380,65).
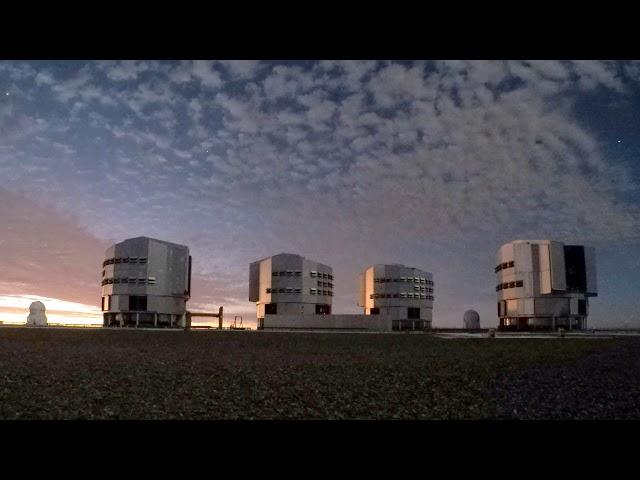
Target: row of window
(321,275)
(504,265)
(423,289)
(312,291)
(404,279)
(401,295)
(298,273)
(111,261)
(283,290)
(130,280)
(506,285)
(288,273)
(325,284)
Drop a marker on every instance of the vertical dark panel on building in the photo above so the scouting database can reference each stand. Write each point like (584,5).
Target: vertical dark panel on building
(189,278)
(582,307)
(575,268)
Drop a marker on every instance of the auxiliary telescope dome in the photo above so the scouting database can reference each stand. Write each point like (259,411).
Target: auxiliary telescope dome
(37,314)
(471,320)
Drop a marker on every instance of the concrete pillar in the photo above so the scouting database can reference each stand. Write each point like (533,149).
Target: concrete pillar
(155,319)
(137,319)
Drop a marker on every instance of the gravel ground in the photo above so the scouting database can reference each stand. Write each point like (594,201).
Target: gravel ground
(123,374)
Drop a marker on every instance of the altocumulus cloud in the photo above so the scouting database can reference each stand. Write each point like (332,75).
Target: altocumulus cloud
(433,164)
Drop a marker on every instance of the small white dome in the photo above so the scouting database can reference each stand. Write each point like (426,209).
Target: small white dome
(37,307)
(37,317)
(471,319)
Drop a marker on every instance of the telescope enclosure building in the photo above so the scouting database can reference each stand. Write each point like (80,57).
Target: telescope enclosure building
(544,284)
(404,294)
(146,282)
(289,284)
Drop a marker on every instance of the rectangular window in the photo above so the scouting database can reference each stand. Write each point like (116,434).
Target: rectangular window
(403,295)
(151,280)
(289,273)
(519,283)
(298,274)
(582,307)
(275,274)
(374,311)
(137,303)
(289,290)
(314,273)
(323,309)
(268,290)
(413,313)
(403,279)
(271,309)
(371,296)
(143,260)
(297,290)
(312,291)
(281,290)
(511,263)
(106,303)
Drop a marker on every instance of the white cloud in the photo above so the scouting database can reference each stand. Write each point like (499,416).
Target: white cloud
(203,71)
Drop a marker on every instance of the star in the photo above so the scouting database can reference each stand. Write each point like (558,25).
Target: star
(619,141)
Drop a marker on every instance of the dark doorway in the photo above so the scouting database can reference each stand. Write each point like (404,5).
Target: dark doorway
(413,312)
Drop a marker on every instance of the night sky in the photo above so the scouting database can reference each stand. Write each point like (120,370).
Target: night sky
(433,164)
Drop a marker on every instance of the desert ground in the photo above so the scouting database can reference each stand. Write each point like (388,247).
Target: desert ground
(58,373)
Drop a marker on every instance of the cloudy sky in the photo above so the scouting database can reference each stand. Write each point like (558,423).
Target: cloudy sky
(433,164)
